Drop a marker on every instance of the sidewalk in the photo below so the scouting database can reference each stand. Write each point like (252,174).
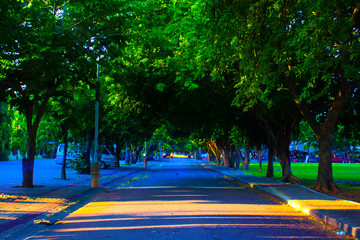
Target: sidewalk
(26,211)
(342,214)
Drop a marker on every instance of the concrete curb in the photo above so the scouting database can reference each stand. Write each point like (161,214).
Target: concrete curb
(269,188)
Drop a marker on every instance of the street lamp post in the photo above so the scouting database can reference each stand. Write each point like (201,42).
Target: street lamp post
(95,167)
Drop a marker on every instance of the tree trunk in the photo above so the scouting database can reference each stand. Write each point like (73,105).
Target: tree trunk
(258,150)
(127,153)
(32,127)
(283,154)
(229,154)
(325,180)
(119,146)
(213,146)
(137,153)
(28,163)
(89,140)
(209,156)
(63,167)
(133,154)
(246,160)
(270,168)
(239,157)
(279,136)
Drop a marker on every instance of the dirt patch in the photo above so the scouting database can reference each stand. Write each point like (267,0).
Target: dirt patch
(347,194)
(347,190)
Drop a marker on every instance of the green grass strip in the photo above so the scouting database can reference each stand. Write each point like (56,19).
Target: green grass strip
(308,171)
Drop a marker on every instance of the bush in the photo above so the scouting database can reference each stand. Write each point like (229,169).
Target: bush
(80,165)
(78,161)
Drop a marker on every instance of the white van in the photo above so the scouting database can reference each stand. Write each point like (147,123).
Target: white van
(106,158)
(71,153)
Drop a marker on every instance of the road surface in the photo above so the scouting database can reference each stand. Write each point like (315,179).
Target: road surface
(180,199)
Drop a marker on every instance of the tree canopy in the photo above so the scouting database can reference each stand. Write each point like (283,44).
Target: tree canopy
(202,68)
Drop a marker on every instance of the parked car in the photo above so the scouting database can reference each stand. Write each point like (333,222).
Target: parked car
(204,155)
(71,154)
(106,158)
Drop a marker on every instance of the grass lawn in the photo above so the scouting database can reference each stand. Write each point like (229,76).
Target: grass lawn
(308,171)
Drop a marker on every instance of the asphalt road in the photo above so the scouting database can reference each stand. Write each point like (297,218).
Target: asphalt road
(179,199)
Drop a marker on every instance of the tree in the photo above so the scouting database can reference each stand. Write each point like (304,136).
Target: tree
(308,49)
(44,44)
(233,53)
(324,79)
(33,67)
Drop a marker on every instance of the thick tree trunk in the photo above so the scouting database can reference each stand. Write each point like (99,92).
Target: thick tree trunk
(229,155)
(270,168)
(325,180)
(28,171)
(28,163)
(283,154)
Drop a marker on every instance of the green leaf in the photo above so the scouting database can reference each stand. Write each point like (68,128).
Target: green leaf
(160,87)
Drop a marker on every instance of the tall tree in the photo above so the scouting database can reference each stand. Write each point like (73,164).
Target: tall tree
(322,73)
(44,44)
(307,48)
(35,67)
